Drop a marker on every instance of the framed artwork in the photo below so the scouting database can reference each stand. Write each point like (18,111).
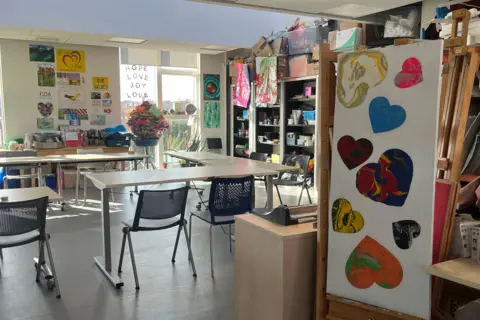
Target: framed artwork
(211,87)
(383,176)
(211,114)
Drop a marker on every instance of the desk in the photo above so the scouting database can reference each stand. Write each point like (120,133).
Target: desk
(107,180)
(274,269)
(196,156)
(249,162)
(15,195)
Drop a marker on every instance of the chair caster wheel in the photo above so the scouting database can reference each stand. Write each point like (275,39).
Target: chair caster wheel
(50,284)
(118,286)
(59,296)
(199,207)
(131,195)
(173,261)
(200,192)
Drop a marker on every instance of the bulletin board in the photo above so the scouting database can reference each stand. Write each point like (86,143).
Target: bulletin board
(383,177)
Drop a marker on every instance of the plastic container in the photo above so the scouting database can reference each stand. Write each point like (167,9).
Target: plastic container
(309,115)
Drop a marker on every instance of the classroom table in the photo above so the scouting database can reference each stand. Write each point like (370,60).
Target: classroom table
(196,157)
(108,180)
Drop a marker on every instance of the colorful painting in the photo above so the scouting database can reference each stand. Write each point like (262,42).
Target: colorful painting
(410,75)
(106,95)
(72,114)
(70,60)
(211,87)
(100,83)
(66,79)
(75,123)
(211,115)
(266,80)
(387,181)
(344,218)
(45,108)
(383,131)
(357,73)
(404,232)
(41,53)
(354,152)
(45,123)
(370,263)
(384,116)
(95,95)
(71,96)
(46,75)
(107,103)
(97,120)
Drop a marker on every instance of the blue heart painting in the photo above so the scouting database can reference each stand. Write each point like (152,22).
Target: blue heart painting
(384,116)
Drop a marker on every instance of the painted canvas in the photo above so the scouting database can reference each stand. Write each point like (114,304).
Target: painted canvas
(383,176)
(211,114)
(41,53)
(211,87)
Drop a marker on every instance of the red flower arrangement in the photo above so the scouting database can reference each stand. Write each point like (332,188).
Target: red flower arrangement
(146,122)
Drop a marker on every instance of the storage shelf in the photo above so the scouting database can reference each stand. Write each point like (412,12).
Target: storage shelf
(269,143)
(269,125)
(312,98)
(241,119)
(299,146)
(311,78)
(236,137)
(463,271)
(300,125)
(263,108)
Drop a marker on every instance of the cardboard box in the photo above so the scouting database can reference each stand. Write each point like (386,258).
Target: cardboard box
(232,70)
(297,65)
(344,25)
(280,46)
(316,53)
(282,67)
(262,48)
(345,40)
(462,237)
(475,244)
(302,40)
(313,68)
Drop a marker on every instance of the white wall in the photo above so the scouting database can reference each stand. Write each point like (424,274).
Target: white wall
(177,20)
(214,64)
(21,90)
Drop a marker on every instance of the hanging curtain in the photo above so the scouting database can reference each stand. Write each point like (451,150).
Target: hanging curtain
(267,87)
(241,95)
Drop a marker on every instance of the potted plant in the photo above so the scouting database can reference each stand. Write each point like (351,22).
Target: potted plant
(147,124)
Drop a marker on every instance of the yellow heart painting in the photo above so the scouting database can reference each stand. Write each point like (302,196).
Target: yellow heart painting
(70,60)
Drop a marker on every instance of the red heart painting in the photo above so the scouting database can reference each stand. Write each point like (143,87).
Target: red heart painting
(410,75)
(370,263)
(354,152)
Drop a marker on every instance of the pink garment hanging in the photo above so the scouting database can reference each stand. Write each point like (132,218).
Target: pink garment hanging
(241,95)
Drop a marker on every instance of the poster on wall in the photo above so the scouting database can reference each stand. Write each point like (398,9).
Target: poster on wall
(41,53)
(72,114)
(71,96)
(211,114)
(106,95)
(70,60)
(66,79)
(45,95)
(100,83)
(45,108)
(46,75)
(211,87)
(138,84)
(45,123)
(95,95)
(97,119)
(383,177)
(107,103)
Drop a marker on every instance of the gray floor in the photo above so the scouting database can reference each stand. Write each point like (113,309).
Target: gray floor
(167,291)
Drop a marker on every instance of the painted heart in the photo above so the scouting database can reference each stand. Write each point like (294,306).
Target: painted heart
(384,116)
(370,263)
(354,152)
(71,59)
(410,75)
(344,218)
(389,180)
(45,108)
(404,232)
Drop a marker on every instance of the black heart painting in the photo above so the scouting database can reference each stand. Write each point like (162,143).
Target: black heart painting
(404,232)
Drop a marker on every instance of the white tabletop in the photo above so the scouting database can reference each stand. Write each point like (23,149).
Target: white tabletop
(196,156)
(71,158)
(135,178)
(25,194)
(250,163)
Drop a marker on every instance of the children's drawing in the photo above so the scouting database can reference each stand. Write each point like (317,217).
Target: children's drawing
(410,75)
(97,119)
(344,218)
(46,75)
(354,152)
(404,232)
(384,116)
(357,73)
(68,78)
(45,108)
(370,263)
(71,96)
(45,123)
(387,181)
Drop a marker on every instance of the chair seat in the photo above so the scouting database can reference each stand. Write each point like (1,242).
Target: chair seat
(207,217)
(281,182)
(153,224)
(12,241)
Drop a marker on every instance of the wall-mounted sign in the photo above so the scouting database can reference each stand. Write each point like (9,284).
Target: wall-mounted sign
(100,83)
(70,60)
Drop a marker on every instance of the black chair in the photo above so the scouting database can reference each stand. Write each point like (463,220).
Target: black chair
(301,161)
(23,223)
(260,157)
(214,144)
(157,210)
(228,197)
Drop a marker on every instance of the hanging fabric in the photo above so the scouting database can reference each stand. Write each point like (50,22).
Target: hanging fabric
(267,87)
(241,95)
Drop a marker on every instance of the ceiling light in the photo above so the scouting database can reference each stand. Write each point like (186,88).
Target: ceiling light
(126,40)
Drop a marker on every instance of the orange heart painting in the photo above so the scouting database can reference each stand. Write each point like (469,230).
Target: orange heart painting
(370,263)
(70,60)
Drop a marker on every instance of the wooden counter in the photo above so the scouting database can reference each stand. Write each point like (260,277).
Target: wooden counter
(274,270)
(73,150)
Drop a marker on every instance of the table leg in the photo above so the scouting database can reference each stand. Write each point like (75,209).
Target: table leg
(187,165)
(135,167)
(269,192)
(40,176)
(105,263)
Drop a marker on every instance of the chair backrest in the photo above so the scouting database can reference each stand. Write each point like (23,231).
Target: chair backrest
(16,154)
(300,161)
(214,144)
(161,204)
(259,156)
(22,217)
(230,196)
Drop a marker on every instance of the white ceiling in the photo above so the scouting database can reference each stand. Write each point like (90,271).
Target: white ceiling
(57,36)
(335,9)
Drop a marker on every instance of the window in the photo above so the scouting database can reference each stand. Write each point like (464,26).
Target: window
(178,91)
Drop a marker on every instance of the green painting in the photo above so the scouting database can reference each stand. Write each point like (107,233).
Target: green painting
(211,114)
